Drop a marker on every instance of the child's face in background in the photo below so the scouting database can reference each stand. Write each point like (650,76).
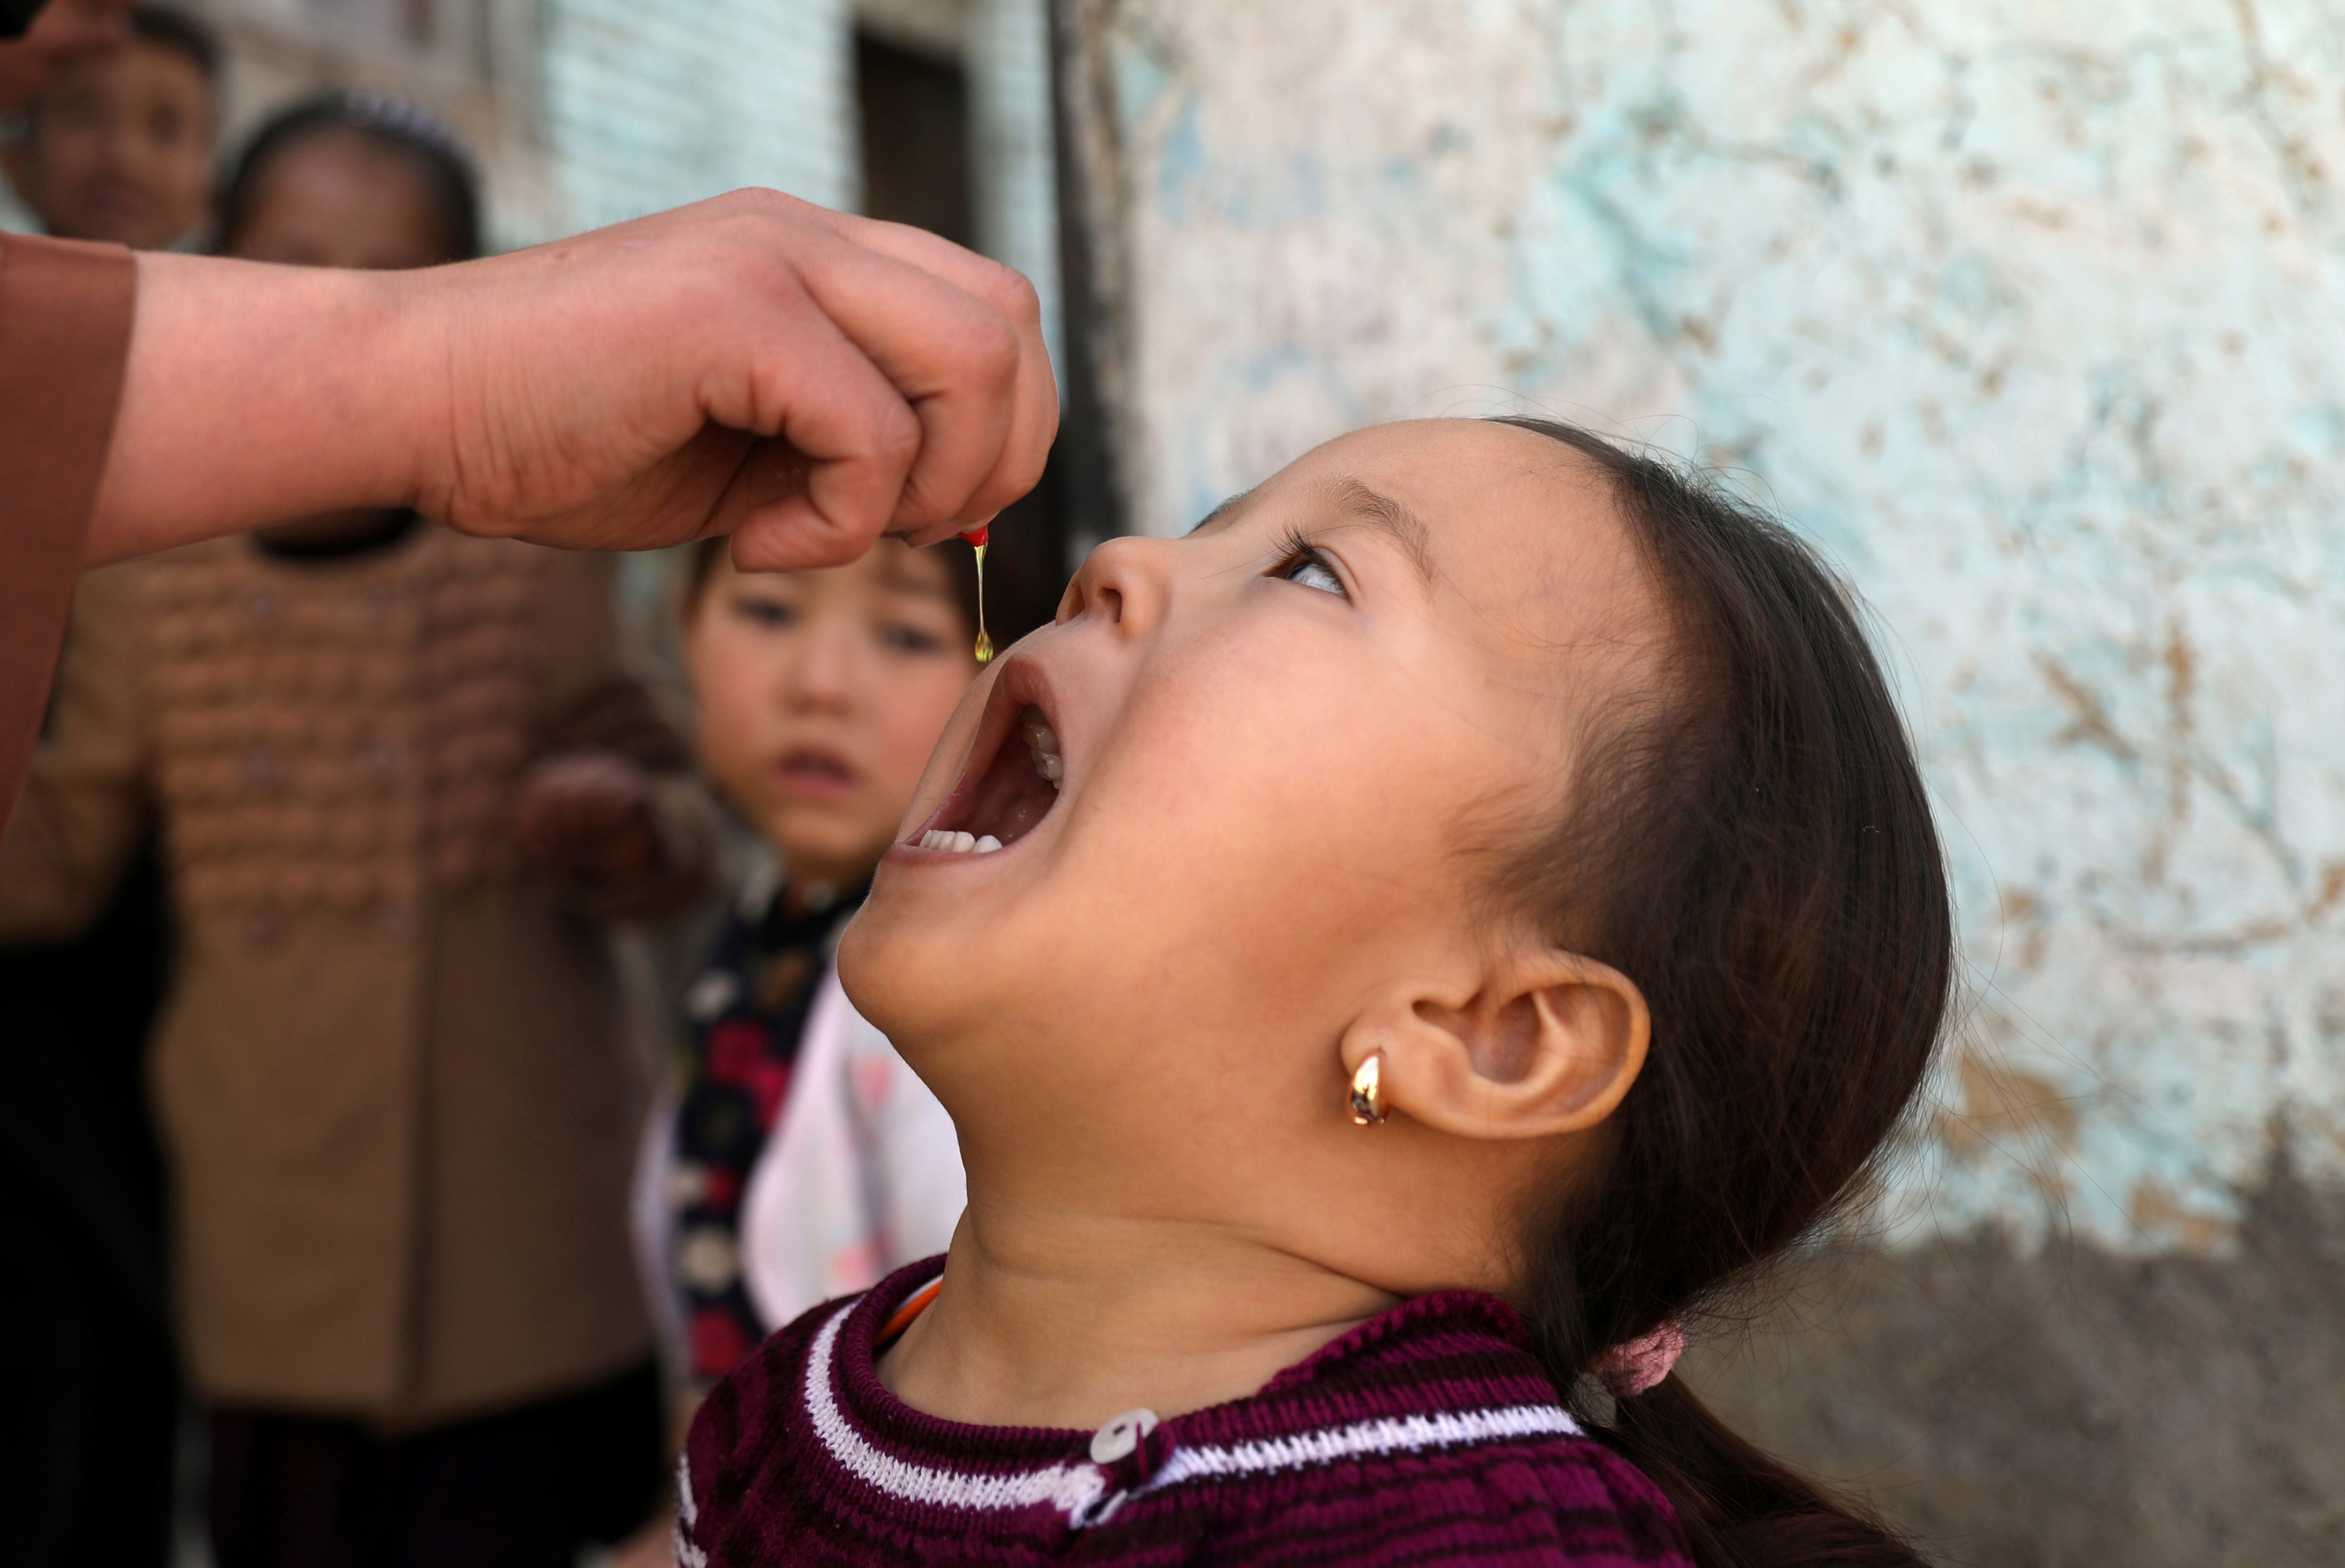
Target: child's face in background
(1275,757)
(821,696)
(334,198)
(120,148)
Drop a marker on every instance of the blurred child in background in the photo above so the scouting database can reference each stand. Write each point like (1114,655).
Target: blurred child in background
(799,1157)
(401,780)
(119,146)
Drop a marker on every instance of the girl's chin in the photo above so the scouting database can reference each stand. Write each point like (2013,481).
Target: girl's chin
(819,847)
(814,790)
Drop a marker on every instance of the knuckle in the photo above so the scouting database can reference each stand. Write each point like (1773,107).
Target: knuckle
(1010,292)
(994,347)
(896,433)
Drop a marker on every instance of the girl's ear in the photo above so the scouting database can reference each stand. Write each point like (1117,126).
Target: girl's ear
(1547,1044)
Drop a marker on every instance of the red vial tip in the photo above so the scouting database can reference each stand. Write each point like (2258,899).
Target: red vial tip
(977,535)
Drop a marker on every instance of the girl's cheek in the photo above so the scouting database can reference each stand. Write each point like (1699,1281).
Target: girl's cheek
(918,725)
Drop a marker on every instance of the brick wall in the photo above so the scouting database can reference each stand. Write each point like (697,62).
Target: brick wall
(651,103)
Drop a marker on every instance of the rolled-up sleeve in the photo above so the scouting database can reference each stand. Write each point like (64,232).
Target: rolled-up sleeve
(64,335)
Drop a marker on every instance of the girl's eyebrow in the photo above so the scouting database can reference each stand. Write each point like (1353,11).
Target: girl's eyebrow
(920,585)
(1218,512)
(1363,503)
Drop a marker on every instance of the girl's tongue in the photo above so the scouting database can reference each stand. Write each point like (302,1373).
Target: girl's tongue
(1017,788)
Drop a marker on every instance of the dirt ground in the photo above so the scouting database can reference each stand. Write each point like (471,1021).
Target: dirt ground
(2071,1407)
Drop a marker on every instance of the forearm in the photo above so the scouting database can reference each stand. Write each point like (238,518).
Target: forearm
(63,851)
(86,803)
(51,888)
(257,393)
(749,364)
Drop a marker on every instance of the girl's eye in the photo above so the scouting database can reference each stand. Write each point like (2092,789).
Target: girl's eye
(1312,571)
(909,639)
(770,613)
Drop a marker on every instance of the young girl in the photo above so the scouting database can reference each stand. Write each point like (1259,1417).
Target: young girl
(1462,909)
(819,695)
(799,1157)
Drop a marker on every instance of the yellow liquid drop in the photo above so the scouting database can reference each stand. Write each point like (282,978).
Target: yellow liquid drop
(984,643)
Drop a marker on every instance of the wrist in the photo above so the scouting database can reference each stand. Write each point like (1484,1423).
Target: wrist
(412,373)
(254,394)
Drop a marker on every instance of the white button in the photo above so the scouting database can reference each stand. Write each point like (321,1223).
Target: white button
(1121,1437)
(711,995)
(707,1259)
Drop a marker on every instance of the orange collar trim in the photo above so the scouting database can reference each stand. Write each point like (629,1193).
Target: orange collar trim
(916,1304)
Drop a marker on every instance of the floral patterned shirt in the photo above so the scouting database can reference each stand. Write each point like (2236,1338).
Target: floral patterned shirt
(749,1010)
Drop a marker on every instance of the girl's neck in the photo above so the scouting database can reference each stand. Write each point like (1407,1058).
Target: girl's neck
(1069,1320)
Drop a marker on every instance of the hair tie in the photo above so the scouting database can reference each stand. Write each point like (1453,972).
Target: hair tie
(404,117)
(1633,1366)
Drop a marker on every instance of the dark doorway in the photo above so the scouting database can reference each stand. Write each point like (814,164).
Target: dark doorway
(917,154)
(916,141)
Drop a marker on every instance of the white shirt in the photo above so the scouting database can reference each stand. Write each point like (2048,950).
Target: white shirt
(861,1175)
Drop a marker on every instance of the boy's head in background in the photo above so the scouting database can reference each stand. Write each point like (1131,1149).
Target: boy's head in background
(119,145)
(351,179)
(821,693)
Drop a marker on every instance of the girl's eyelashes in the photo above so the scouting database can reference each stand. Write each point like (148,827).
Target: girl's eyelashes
(910,639)
(1300,562)
(765,612)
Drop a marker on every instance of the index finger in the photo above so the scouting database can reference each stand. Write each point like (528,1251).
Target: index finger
(1034,396)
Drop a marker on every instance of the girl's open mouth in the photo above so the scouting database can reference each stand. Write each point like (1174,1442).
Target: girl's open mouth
(1012,778)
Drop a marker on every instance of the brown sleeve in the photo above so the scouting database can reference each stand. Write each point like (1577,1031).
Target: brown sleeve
(85,805)
(65,334)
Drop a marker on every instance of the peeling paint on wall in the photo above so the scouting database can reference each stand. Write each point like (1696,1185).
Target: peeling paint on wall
(2030,313)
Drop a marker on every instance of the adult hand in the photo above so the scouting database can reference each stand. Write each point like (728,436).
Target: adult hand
(59,30)
(753,365)
(588,813)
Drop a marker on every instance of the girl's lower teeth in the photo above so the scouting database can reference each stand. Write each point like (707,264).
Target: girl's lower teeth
(959,843)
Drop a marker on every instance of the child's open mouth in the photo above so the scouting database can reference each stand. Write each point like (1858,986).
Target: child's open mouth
(815,772)
(1014,775)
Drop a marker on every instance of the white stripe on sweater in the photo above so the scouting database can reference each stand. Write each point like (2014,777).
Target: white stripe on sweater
(1072,1489)
(1079,1491)
(1390,1434)
(687,1552)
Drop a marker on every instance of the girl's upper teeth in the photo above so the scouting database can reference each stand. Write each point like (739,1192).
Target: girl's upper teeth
(1043,743)
(959,843)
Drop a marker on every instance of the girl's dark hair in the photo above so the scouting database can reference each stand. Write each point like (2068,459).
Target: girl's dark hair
(1751,844)
(163,28)
(393,124)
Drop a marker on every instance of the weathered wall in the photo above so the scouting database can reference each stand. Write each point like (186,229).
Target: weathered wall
(2030,313)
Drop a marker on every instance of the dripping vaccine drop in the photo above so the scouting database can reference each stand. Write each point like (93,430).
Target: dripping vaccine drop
(978,538)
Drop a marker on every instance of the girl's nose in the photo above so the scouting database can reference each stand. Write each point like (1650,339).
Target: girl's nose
(1126,583)
(823,675)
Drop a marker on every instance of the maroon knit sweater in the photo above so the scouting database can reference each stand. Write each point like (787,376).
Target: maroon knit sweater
(1427,1435)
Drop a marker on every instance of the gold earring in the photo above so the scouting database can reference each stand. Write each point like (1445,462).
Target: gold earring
(1368,1090)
